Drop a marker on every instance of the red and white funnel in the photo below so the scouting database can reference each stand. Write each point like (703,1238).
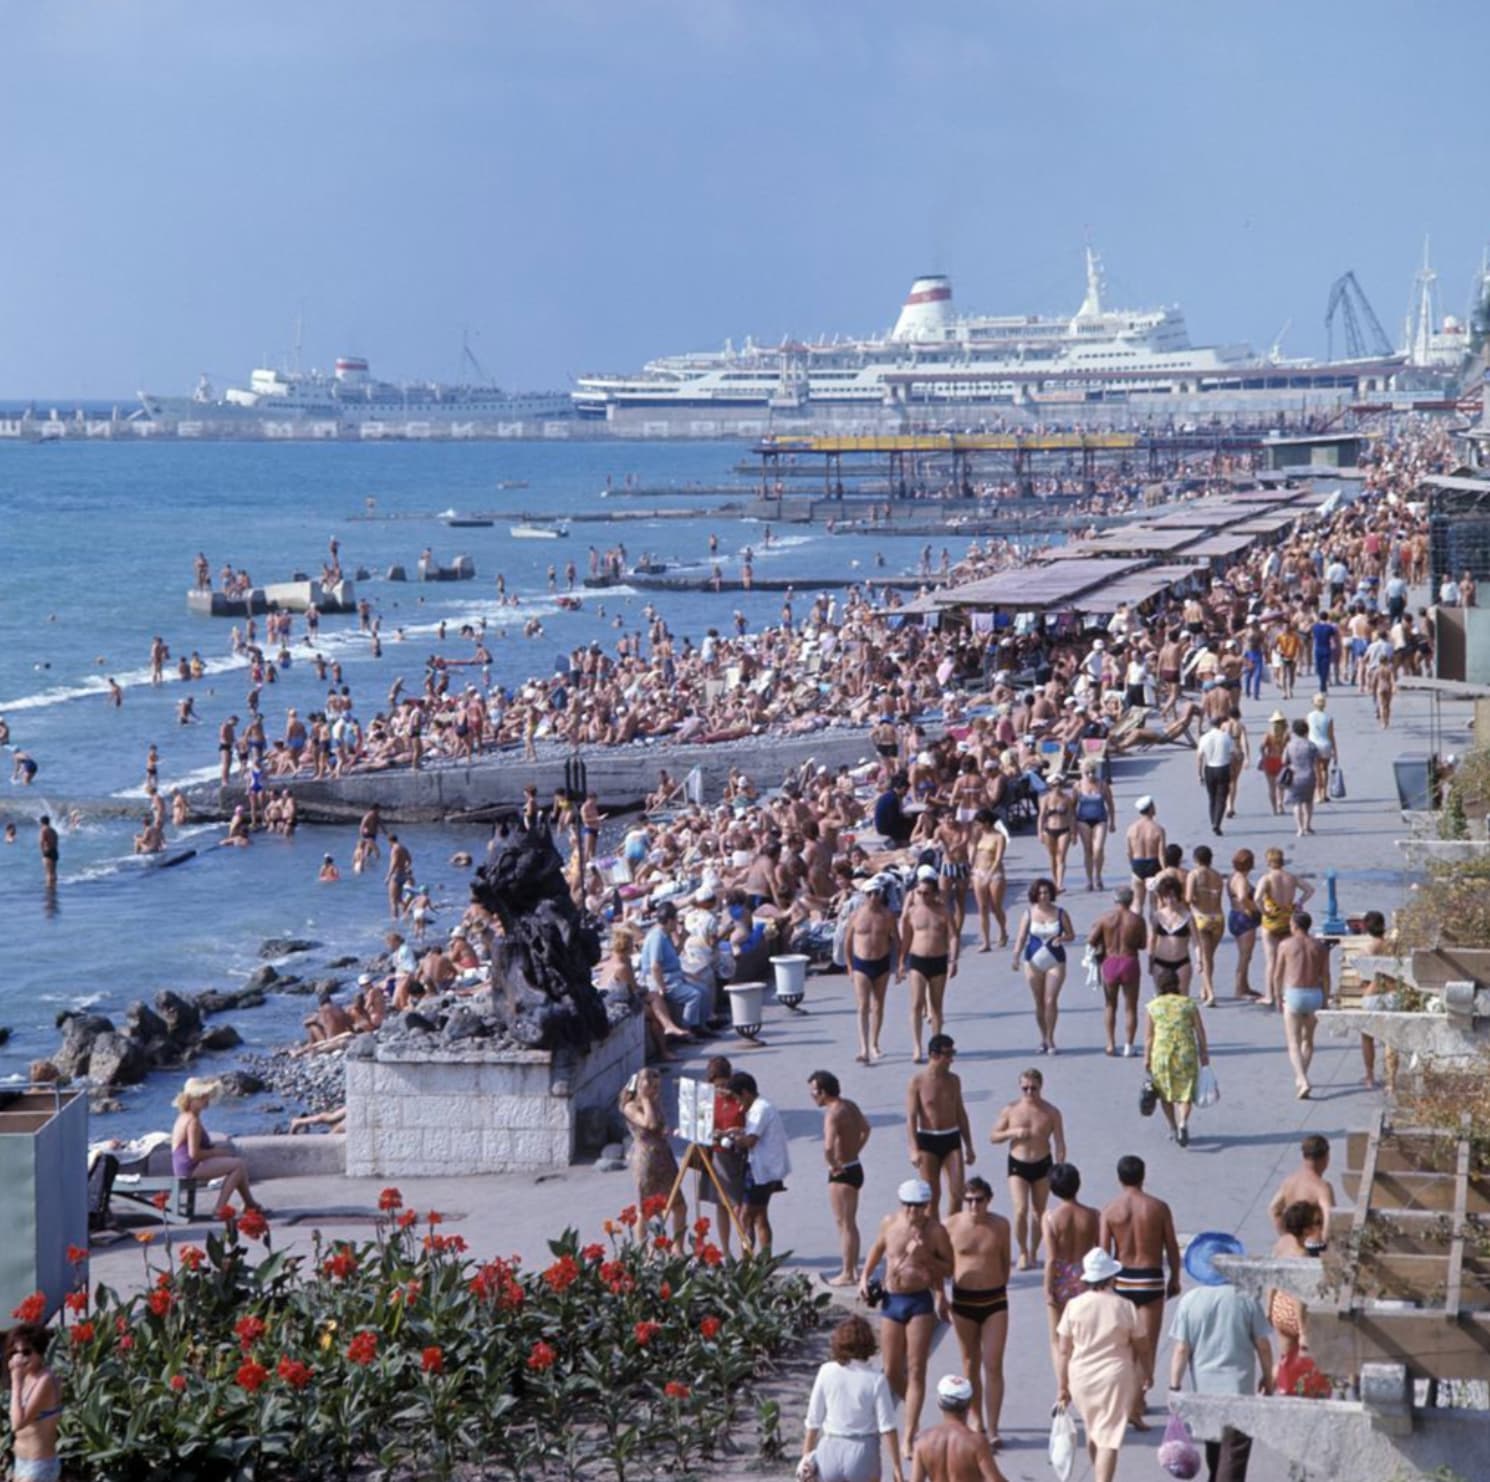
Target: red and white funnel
(927,311)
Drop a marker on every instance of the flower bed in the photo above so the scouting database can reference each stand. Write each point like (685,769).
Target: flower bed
(400,1355)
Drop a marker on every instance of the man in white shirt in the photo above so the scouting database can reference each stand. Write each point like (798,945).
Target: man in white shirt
(1448,591)
(767,1162)
(1213,754)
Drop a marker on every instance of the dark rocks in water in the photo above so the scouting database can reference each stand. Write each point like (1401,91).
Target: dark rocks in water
(4,1034)
(362,574)
(338,962)
(115,1059)
(183,1019)
(241,1083)
(79,1031)
(220,1037)
(318,986)
(143,1023)
(226,1000)
(262,978)
(285,946)
(549,947)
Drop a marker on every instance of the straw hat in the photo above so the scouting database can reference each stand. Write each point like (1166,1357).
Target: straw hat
(197,1088)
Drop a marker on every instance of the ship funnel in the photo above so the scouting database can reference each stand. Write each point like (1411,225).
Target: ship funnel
(927,311)
(351,369)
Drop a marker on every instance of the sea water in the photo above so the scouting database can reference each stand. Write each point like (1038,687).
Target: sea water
(97,543)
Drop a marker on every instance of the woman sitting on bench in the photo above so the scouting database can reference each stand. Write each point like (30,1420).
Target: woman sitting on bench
(192,1153)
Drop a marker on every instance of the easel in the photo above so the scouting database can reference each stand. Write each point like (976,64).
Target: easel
(697,1158)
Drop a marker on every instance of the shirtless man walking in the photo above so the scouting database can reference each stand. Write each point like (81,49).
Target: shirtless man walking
(46,842)
(936,1125)
(845,1131)
(1307,1184)
(980,1301)
(1071,1229)
(928,952)
(1121,934)
(954,1451)
(400,873)
(918,1261)
(1145,839)
(1036,1135)
(1139,1230)
(871,953)
(1303,964)
(227,736)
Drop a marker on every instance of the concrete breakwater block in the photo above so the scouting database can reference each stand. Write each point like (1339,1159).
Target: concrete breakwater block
(218,604)
(396,573)
(461,568)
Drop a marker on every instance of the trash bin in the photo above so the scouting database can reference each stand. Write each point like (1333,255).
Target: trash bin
(44,1173)
(1417,790)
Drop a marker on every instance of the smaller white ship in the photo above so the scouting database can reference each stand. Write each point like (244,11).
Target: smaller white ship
(538,532)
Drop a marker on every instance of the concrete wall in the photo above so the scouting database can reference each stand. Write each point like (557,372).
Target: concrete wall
(461,1110)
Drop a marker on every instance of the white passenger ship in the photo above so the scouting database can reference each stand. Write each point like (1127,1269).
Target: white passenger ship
(987,359)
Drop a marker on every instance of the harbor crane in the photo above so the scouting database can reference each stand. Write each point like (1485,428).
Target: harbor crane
(1348,300)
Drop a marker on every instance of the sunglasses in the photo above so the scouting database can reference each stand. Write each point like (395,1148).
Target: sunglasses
(1029,1090)
(975,1198)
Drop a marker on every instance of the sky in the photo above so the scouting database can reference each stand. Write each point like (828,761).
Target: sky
(580,185)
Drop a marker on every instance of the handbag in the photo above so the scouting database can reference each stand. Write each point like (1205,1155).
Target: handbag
(1337,783)
(1148,1097)
(1285,777)
(1207,1089)
(1062,1449)
(1178,1453)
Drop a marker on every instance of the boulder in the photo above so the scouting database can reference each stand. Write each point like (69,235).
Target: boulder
(277,947)
(79,1031)
(240,1083)
(342,962)
(220,1037)
(262,977)
(144,1024)
(183,1019)
(225,1000)
(464,1023)
(116,1060)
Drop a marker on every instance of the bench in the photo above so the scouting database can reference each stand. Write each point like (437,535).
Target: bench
(142,1182)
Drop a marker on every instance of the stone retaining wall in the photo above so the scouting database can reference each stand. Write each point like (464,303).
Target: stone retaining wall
(463,1108)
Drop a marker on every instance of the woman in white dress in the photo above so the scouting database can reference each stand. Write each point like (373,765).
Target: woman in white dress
(851,1414)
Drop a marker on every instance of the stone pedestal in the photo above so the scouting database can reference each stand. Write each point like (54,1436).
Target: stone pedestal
(468,1108)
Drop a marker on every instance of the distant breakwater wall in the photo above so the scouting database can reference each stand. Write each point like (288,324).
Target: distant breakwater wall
(620,776)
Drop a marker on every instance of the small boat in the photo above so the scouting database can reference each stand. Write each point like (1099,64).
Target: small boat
(512,483)
(468,522)
(537,532)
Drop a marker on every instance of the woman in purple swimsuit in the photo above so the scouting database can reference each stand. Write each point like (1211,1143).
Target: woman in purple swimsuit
(193,1154)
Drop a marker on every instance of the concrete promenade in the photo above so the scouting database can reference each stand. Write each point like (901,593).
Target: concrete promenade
(1240,1149)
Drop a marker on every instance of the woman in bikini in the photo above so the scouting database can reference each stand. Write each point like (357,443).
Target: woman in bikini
(1040,948)
(967,795)
(1172,933)
(1242,918)
(1094,817)
(35,1405)
(989,843)
(1270,758)
(1279,894)
(1204,892)
(1057,814)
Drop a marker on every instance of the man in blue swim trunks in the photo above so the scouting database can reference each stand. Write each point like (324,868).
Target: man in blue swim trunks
(918,1263)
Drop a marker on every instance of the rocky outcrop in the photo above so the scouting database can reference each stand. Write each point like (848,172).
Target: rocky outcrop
(166,1035)
(277,947)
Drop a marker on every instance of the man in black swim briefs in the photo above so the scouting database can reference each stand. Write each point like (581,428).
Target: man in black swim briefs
(980,1300)
(1036,1138)
(937,1126)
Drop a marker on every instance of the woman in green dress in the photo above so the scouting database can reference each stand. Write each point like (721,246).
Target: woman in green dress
(1174,1050)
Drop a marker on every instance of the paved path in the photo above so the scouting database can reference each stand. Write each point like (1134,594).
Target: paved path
(1223,1181)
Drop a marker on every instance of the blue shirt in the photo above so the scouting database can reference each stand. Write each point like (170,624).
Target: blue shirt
(890,819)
(658,951)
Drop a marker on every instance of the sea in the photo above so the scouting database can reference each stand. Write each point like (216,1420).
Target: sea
(97,544)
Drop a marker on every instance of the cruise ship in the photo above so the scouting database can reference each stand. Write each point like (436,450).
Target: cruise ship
(934,356)
(351,395)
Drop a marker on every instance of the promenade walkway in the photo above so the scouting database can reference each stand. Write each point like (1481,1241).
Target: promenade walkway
(1240,1149)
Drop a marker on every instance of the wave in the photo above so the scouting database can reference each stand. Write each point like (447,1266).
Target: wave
(187,779)
(97,685)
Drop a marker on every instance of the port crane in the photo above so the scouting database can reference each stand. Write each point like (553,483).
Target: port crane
(1348,300)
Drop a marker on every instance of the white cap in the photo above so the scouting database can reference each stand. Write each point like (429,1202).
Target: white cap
(926,872)
(879,883)
(365,980)
(703,895)
(953,1389)
(914,1191)
(1143,804)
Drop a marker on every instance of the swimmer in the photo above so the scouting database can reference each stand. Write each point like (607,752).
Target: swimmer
(116,695)
(329,871)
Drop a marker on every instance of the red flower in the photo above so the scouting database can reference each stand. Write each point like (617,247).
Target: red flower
(159,1301)
(432,1360)
(126,1343)
(76,1301)
(662,1242)
(77,1255)
(248,1330)
(628,1216)
(710,1327)
(33,1309)
(593,1253)
(644,1332)
(665,1291)
(251,1376)
(341,1264)
(192,1257)
(434,1217)
(407,1219)
(675,1391)
(253,1225)
(178,1382)
(653,1205)
(120,1326)
(610,1227)
(542,1357)
(710,1255)
(562,1274)
(389,1200)
(294,1373)
(363,1349)
(161,1199)
(701,1227)
(512,1297)
(83,1333)
(227,1213)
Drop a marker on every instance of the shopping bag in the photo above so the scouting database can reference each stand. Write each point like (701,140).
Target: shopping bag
(1062,1442)
(1207,1089)
(1178,1453)
(1337,784)
(1148,1097)
(1092,963)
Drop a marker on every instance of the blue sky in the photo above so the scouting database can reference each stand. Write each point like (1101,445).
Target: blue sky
(584,185)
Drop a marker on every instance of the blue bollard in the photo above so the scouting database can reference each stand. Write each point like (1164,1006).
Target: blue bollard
(1334,925)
